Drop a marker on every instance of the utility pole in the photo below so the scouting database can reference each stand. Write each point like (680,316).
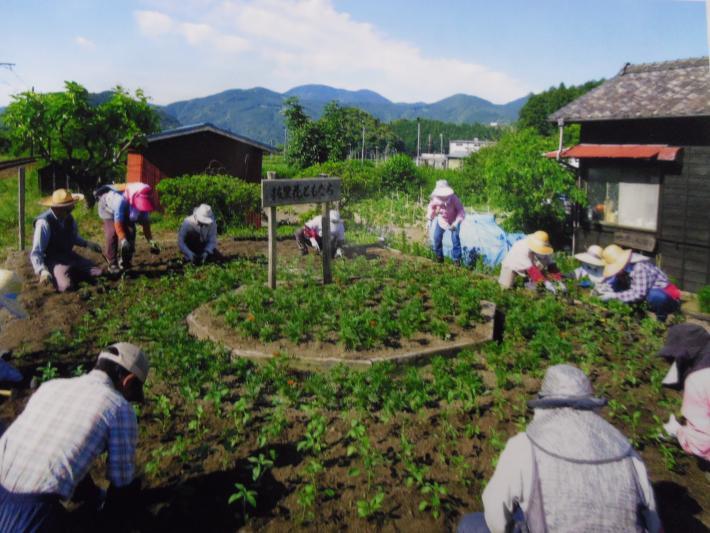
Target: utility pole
(419,135)
(362,148)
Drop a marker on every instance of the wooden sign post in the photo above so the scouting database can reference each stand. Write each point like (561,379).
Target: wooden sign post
(303,191)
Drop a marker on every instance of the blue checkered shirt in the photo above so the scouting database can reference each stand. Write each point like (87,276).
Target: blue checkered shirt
(66,424)
(644,277)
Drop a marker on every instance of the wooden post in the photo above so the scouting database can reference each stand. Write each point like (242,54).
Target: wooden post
(272,238)
(326,253)
(21,205)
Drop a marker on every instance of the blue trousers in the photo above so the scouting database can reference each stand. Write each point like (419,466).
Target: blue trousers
(30,513)
(455,241)
(661,304)
(473,523)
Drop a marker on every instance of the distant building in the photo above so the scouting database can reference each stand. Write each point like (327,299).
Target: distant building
(196,149)
(644,160)
(458,151)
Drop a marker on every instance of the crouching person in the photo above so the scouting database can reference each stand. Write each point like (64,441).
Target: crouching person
(197,238)
(46,453)
(55,234)
(311,234)
(569,471)
(531,258)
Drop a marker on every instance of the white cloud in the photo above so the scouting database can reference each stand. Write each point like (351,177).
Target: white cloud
(309,41)
(84,42)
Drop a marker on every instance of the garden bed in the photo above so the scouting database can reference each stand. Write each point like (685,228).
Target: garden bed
(399,312)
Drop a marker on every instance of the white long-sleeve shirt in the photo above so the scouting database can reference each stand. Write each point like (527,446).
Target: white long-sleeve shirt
(40,241)
(337,231)
(513,482)
(208,235)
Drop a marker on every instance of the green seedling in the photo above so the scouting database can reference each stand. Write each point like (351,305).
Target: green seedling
(435,494)
(367,508)
(261,464)
(244,495)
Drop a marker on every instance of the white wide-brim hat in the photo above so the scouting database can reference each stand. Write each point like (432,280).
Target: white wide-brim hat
(334,217)
(442,188)
(593,256)
(203,214)
(10,287)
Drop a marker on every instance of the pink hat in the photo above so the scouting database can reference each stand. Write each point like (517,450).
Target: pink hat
(140,196)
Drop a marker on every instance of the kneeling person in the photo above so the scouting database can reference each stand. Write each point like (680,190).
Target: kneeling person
(311,234)
(46,454)
(197,238)
(55,235)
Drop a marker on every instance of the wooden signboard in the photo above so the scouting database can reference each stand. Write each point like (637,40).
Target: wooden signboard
(636,240)
(305,191)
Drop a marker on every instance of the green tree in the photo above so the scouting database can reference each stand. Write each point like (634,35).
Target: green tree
(405,130)
(305,144)
(540,106)
(88,141)
(522,181)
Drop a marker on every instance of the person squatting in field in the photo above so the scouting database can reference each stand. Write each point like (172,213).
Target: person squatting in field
(121,206)
(687,347)
(10,287)
(197,237)
(633,280)
(532,259)
(569,471)
(55,234)
(46,454)
(446,212)
(311,234)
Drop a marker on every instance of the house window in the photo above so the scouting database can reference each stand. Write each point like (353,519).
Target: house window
(624,196)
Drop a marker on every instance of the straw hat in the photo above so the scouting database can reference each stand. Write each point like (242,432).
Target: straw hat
(593,256)
(61,198)
(615,259)
(566,386)
(539,242)
(442,189)
(10,287)
(204,215)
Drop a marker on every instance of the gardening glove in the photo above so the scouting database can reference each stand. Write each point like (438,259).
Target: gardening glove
(672,426)
(125,247)
(203,257)
(339,252)
(315,244)
(561,287)
(154,248)
(45,277)
(550,286)
(94,246)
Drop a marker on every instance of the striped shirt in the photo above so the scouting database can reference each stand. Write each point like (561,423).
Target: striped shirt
(66,424)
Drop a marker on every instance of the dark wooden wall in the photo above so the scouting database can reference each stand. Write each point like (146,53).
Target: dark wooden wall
(205,152)
(683,233)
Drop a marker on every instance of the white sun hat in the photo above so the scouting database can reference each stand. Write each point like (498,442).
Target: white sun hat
(204,215)
(442,189)
(593,256)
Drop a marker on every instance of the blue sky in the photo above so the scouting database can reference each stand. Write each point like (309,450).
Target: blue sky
(405,50)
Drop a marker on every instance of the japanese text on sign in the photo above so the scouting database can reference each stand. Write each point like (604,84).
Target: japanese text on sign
(304,191)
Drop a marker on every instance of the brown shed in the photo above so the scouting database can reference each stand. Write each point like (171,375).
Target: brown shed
(644,160)
(196,149)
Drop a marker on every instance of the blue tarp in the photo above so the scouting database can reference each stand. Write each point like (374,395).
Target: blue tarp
(480,236)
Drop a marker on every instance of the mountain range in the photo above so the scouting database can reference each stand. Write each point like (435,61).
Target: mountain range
(256,113)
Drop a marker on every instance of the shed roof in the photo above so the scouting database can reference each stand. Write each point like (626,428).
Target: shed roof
(669,89)
(208,127)
(661,152)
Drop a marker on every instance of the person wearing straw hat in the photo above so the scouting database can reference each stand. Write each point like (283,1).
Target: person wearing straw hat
(591,271)
(311,234)
(197,237)
(532,259)
(636,281)
(121,206)
(446,212)
(569,471)
(687,350)
(46,453)
(55,235)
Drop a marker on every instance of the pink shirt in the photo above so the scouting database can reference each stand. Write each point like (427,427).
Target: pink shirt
(694,436)
(449,208)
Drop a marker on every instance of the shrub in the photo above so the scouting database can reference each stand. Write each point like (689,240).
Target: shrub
(231,199)
(704,299)
(399,173)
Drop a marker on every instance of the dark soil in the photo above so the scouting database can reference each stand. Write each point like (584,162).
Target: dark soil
(192,495)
